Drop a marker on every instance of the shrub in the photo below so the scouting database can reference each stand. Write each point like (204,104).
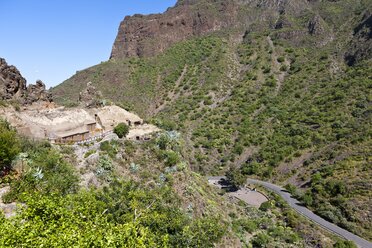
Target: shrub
(9,146)
(265,206)
(260,241)
(109,147)
(280,59)
(171,158)
(121,130)
(344,244)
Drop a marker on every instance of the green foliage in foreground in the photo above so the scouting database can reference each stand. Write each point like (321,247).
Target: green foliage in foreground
(121,130)
(121,215)
(9,146)
(47,173)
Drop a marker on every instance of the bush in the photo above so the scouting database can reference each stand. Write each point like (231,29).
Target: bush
(48,174)
(260,241)
(344,244)
(265,206)
(9,146)
(121,130)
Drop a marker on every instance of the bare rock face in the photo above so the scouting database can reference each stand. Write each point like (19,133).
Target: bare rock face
(360,47)
(146,36)
(37,93)
(143,36)
(316,26)
(12,84)
(90,97)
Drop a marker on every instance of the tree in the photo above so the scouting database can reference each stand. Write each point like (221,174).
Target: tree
(121,130)
(9,146)
(236,178)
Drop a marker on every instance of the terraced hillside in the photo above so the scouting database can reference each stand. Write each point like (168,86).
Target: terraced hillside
(283,94)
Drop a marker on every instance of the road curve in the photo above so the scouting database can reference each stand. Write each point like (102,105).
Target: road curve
(310,215)
(362,243)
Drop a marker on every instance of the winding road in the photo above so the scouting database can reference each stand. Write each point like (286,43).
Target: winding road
(296,205)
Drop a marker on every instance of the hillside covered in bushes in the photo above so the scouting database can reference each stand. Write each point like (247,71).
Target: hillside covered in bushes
(284,95)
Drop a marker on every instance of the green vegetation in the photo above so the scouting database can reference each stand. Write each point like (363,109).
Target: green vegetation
(282,105)
(313,121)
(121,130)
(9,147)
(45,172)
(121,215)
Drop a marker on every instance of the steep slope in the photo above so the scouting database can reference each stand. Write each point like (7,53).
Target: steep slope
(270,92)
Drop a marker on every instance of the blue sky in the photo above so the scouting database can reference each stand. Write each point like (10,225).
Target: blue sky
(52,39)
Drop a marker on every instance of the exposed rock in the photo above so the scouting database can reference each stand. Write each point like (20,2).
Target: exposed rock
(316,26)
(13,86)
(141,36)
(110,137)
(361,45)
(37,92)
(90,97)
(8,209)
(144,36)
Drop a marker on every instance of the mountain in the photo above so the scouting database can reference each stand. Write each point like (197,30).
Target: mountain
(276,89)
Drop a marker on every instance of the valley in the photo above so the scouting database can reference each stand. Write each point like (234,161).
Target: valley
(275,94)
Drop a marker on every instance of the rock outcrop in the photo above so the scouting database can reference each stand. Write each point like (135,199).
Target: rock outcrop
(90,97)
(13,86)
(361,45)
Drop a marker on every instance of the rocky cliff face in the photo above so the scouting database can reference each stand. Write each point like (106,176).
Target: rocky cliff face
(13,86)
(141,35)
(361,45)
(144,36)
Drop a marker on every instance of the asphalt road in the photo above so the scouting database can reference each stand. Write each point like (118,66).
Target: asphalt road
(360,242)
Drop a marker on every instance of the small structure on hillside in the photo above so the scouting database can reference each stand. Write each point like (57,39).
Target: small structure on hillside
(111,116)
(65,126)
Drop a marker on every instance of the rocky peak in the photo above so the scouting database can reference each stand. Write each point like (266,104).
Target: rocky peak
(90,97)
(13,86)
(37,92)
(143,36)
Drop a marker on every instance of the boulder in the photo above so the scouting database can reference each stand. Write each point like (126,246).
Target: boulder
(13,86)
(90,97)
